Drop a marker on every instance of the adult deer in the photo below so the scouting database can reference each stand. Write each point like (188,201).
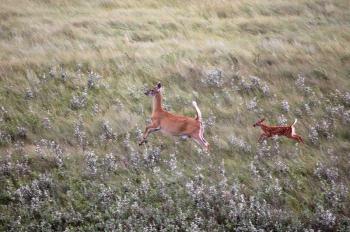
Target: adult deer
(175,125)
(269,131)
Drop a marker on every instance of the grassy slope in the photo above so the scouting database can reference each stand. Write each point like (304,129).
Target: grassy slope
(133,45)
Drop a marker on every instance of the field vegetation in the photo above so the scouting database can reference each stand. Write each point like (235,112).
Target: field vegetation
(72,111)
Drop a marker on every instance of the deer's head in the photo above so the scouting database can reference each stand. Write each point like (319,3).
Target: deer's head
(258,123)
(154,91)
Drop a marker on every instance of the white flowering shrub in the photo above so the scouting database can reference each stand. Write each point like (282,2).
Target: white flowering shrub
(152,156)
(240,144)
(80,134)
(213,77)
(91,162)
(22,132)
(5,138)
(252,105)
(329,174)
(117,105)
(107,132)
(251,84)
(29,94)
(79,101)
(325,128)
(47,123)
(63,74)
(282,120)
(313,135)
(110,163)
(300,82)
(307,109)
(210,120)
(325,218)
(93,80)
(285,106)
(50,151)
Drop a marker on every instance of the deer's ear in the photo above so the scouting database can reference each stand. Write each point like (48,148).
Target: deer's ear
(262,120)
(159,85)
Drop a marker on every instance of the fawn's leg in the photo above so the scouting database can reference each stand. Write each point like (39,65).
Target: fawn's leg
(296,138)
(299,138)
(262,136)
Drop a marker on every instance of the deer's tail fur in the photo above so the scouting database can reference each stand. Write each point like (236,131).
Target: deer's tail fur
(201,129)
(199,114)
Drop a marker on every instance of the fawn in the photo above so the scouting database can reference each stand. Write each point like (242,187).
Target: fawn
(269,131)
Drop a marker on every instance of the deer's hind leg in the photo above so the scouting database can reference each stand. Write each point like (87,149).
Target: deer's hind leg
(204,144)
(298,138)
(198,137)
(201,135)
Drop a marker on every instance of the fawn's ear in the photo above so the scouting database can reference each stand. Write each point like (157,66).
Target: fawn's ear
(262,120)
(159,85)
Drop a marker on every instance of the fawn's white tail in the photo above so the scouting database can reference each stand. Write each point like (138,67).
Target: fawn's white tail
(296,120)
(199,114)
(293,128)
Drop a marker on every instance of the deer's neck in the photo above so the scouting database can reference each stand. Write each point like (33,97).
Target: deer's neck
(157,103)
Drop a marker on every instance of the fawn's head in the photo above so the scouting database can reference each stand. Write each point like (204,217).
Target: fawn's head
(258,123)
(154,91)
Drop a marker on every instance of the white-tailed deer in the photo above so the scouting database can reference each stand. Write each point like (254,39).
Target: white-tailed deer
(175,125)
(269,131)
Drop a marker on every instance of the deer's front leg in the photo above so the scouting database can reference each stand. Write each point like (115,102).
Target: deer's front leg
(149,129)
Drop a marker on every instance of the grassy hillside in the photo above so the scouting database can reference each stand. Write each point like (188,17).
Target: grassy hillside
(72,111)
